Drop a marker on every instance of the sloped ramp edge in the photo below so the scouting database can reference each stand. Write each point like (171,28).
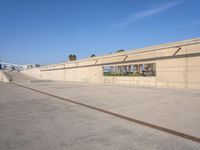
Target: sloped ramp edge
(4,77)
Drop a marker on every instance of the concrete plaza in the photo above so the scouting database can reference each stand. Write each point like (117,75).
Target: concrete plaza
(31,120)
(171,108)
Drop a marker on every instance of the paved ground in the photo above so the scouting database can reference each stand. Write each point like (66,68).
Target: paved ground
(173,109)
(30,120)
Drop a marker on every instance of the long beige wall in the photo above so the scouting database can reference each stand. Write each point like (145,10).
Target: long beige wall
(177,66)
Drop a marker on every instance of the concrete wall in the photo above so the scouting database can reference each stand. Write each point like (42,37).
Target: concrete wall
(177,66)
(3,77)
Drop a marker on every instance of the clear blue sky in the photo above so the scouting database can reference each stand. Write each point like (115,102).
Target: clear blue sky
(47,31)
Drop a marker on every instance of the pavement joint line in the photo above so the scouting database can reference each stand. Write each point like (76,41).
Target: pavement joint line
(166,130)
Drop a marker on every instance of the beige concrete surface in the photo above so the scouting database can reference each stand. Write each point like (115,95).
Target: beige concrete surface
(174,109)
(18,77)
(177,66)
(3,77)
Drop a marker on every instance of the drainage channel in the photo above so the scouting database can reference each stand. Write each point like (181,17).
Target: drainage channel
(173,132)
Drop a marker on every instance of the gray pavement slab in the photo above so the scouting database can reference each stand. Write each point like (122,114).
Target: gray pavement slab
(30,120)
(176,109)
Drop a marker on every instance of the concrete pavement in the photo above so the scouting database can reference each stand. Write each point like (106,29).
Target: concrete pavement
(33,115)
(30,120)
(174,109)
